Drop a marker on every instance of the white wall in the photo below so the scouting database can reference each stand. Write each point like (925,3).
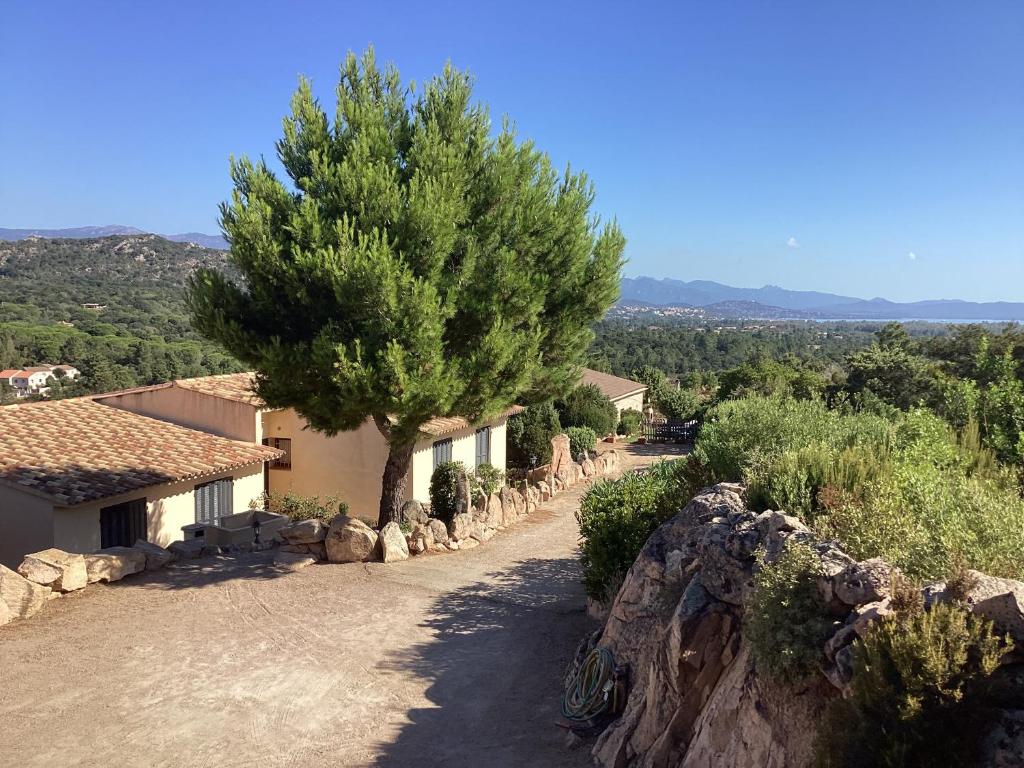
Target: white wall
(634,402)
(463,449)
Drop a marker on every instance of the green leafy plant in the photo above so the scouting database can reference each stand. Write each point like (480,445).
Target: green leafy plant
(299,507)
(587,406)
(581,439)
(629,422)
(616,517)
(918,693)
(529,434)
(487,479)
(444,489)
(787,622)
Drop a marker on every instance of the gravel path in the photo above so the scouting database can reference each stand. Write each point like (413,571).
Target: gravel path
(442,660)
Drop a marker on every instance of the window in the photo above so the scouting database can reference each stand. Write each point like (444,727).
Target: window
(283,444)
(214,500)
(442,451)
(121,525)
(483,446)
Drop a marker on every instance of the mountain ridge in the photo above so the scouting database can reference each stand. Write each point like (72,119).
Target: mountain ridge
(708,293)
(215,242)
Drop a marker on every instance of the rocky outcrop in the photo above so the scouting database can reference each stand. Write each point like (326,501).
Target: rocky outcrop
(350,540)
(697,699)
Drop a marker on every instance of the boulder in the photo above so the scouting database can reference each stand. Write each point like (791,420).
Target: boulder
(561,456)
(189,549)
(412,513)
(20,597)
(509,514)
(463,500)
(156,556)
(391,542)
(588,467)
(999,600)
(438,531)
(54,568)
(461,527)
(295,549)
(317,550)
(495,513)
(468,543)
(304,532)
(519,502)
(293,561)
(543,491)
(350,540)
(481,532)
(114,563)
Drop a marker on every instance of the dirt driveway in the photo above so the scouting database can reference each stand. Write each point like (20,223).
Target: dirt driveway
(450,660)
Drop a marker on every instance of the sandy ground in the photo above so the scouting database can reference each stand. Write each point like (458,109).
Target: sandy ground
(452,660)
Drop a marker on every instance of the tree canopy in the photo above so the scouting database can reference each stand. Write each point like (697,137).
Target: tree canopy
(415,263)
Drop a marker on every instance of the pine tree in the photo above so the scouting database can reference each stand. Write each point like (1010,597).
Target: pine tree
(415,264)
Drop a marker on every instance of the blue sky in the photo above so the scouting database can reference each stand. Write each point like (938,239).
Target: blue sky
(869,148)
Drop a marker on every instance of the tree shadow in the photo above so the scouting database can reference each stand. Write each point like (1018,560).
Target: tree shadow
(665,450)
(494,671)
(208,571)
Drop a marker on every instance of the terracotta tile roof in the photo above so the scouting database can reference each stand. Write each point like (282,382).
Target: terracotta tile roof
(614,387)
(8,373)
(446,425)
(80,450)
(230,386)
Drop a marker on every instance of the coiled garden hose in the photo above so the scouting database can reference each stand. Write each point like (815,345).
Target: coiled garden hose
(590,689)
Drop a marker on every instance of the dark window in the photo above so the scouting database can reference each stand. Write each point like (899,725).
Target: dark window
(121,525)
(442,451)
(214,500)
(483,446)
(283,444)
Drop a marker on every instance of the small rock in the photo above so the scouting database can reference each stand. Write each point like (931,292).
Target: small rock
(156,556)
(461,527)
(412,512)
(318,550)
(54,568)
(864,582)
(391,542)
(293,561)
(468,543)
(438,531)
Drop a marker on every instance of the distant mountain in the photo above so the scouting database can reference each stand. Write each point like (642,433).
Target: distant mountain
(79,233)
(773,301)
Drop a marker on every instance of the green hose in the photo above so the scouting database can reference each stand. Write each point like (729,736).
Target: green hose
(590,688)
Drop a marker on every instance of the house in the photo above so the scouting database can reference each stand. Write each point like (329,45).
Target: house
(349,465)
(626,394)
(79,475)
(34,380)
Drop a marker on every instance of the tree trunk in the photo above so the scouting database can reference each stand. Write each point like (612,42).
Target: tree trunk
(392,493)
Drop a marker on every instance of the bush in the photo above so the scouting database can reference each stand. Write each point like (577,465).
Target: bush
(581,439)
(487,479)
(299,507)
(787,623)
(629,422)
(616,518)
(586,406)
(529,434)
(444,490)
(917,697)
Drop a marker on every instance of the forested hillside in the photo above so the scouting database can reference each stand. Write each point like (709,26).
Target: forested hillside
(141,333)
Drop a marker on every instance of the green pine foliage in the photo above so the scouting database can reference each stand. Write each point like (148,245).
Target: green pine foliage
(416,262)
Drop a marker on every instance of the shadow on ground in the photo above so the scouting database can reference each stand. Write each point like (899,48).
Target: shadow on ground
(207,571)
(493,671)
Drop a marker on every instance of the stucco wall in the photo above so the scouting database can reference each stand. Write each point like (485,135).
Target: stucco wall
(26,525)
(168,508)
(463,449)
(636,402)
(227,418)
(348,465)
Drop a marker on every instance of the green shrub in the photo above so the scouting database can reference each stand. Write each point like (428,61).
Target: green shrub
(444,490)
(487,479)
(581,439)
(787,622)
(587,406)
(529,434)
(299,507)
(629,422)
(917,697)
(616,518)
